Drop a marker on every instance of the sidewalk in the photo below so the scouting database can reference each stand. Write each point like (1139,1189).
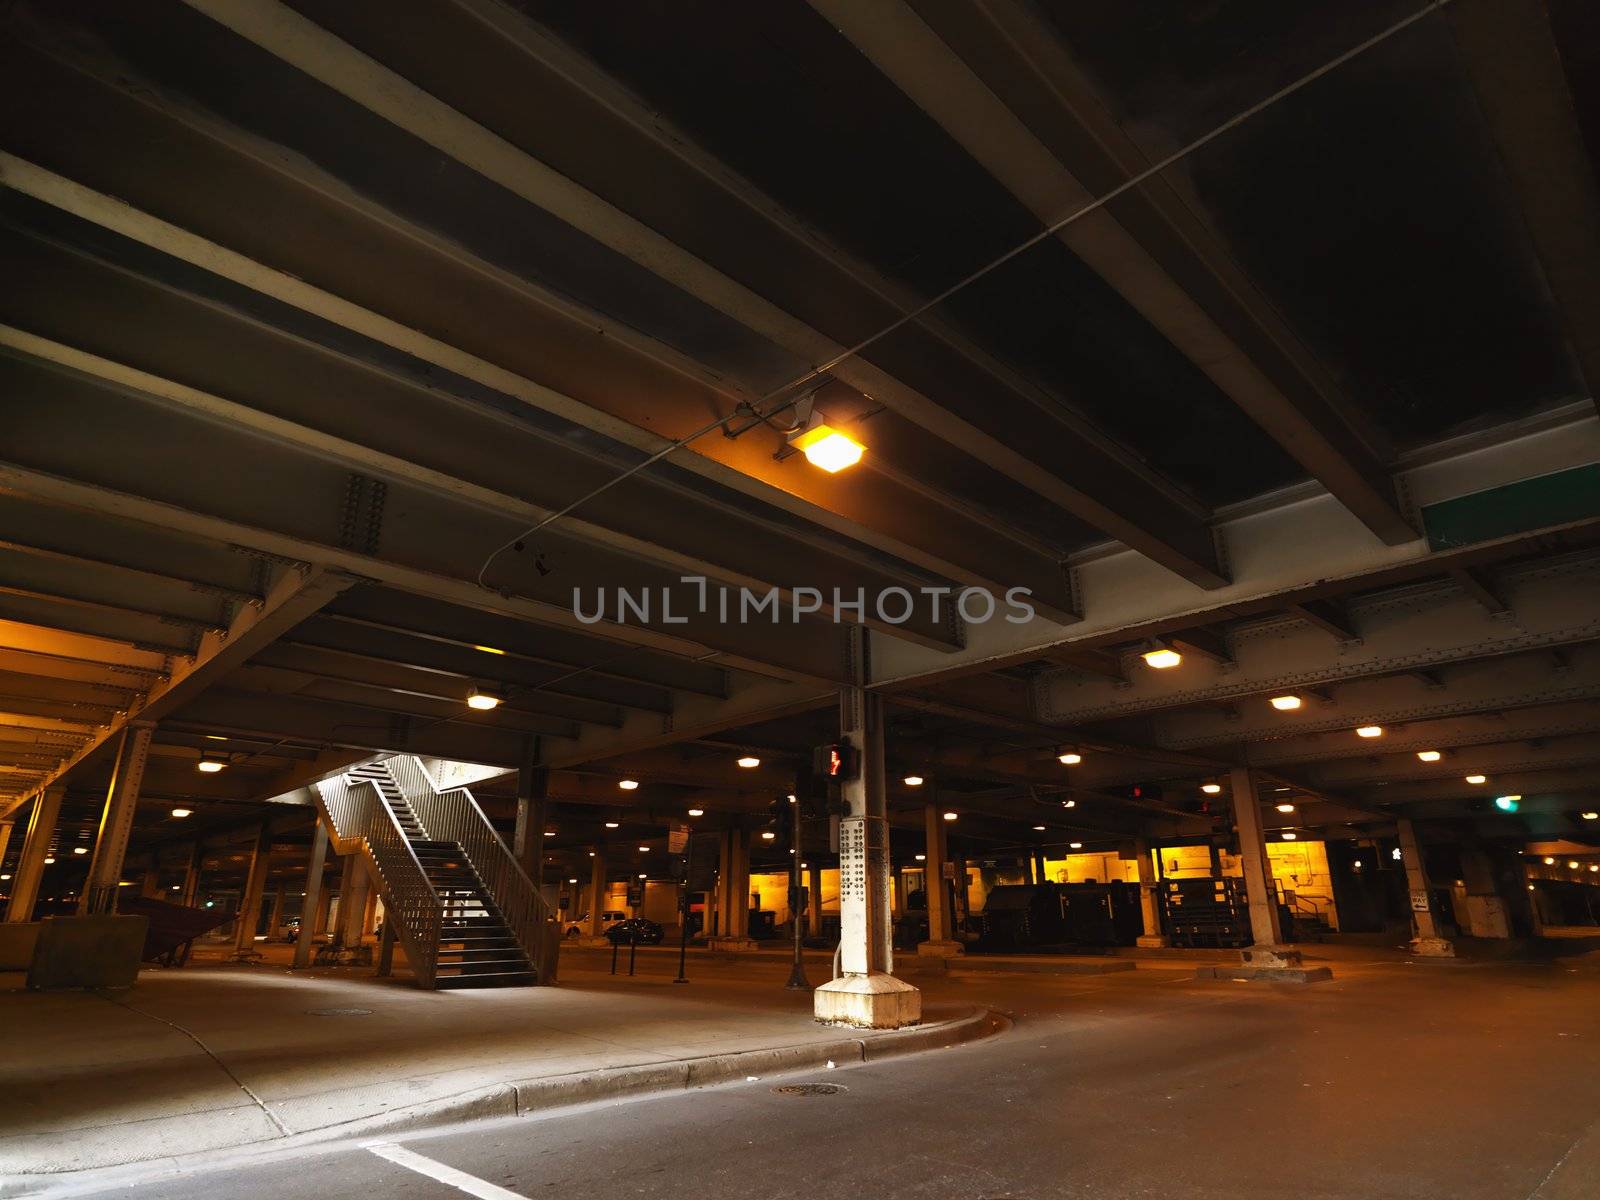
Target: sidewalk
(215,1056)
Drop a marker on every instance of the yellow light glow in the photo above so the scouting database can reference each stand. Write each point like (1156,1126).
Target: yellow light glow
(215,737)
(628,785)
(1038,828)
(1162,659)
(1285,703)
(1074,845)
(181,812)
(1572,866)
(209,766)
(767,835)
(482,701)
(80,849)
(1289,835)
(1477,779)
(48,861)
(1429,755)
(950,816)
(922,858)
(1590,816)
(911,781)
(1370,731)
(1285,808)
(1211,789)
(748,761)
(644,849)
(1070,759)
(825,447)
(697,812)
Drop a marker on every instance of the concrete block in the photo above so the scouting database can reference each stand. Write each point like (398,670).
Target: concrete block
(868,1002)
(1271,957)
(940,949)
(17,939)
(1433,947)
(87,952)
(1265,974)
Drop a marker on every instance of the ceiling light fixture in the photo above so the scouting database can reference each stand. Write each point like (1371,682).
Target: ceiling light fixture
(748,761)
(1477,779)
(481,700)
(211,761)
(922,858)
(1549,862)
(1211,789)
(1289,835)
(767,835)
(697,812)
(644,849)
(824,446)
(913,780)
(1285,703)
(1429,755)
(182,812)
(613,825)
(1370,731)
(951,816)
(628,785)
(1286,808)
(1038,828)
(1074,845)
(1161,658)
(80,849)
(1590,816)
(1069,758)
(489,649)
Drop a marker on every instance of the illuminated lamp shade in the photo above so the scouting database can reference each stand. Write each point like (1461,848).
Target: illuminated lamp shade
(1289,835)
(951,816)
(922,858)
(1074,845)
(913,780)
(1590,816)
(748,761)
(1211,789)
(1285,703)
(697,812)
(211,762)
(1549,862)
(1069,758)
(481,700)
(1477,779)
(1429,755)
(613,825)
(825,447)
(1370,731)
(1286,808)
(80,849)
(1038,828)
(767,835)
(1572,866)
(627,785)
(1162,658)
(182,812)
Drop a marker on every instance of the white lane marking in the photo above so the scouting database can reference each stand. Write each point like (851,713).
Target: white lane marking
(460,1180)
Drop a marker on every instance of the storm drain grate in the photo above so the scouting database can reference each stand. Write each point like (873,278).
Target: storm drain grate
(809,1089)
(338,1012)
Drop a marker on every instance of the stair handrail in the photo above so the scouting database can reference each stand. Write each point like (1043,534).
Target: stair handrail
(361,820)
(453,815)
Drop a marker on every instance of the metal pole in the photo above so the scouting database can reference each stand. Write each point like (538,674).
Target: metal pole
(633,950)
(797,972)
(616,946)
(683,909)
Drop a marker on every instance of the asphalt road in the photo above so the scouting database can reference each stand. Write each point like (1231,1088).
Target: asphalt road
(1458,1081)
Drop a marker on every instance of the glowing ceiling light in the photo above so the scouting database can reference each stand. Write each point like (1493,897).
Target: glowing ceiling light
(951,816)
(481,700)
(748,761)
(572,881)
(1573,866)
(826,447)
(697,812)
(1285,703)
(1211,789)
(628,785)
(612,825)
(1590,816)
(1477,779)
(645,849)
(1289,835)
(489,649)
(767,835)
(212,761)
(1162,658)
(1070,758)
(1429,755)
(80,849)
(1549,862)
(913,781)
(1285,808)
(1395,854)
(1370,731)
(182,812)
(1074,845)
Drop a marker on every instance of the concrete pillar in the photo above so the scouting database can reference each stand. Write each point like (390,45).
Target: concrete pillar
(116,820)
(369,914)
(1149,901)
(190,891)
(280,907)
(255,884)
(939,944)
(150,887)
(386,941)
(352,901)
(1428,939)
(1265,928)
(35,849)
(866,994)
(533,797)
(724,865)
(311,906)
(5,839)
(1487,913)
(734,879)
(814,901)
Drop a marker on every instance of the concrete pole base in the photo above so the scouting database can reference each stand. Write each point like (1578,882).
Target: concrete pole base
(1433,947)
(733,945)
(940,949)
(868,1002)
(1152,941)
(1273,957)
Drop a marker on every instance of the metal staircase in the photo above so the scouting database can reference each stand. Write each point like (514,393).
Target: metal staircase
(463,909)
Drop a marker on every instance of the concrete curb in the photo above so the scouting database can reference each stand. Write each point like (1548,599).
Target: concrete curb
(528,1097)
(1266,974)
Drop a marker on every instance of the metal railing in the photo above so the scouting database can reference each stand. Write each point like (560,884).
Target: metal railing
(361,821)
(454,816)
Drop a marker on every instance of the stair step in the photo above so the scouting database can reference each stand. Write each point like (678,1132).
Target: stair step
(486,980)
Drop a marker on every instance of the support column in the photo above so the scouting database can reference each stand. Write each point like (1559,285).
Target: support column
(1487,916)
(280,904)
(734,877)
(347,948)
(594,927)
(866,994)
(369,911)
(533,797)
(1428,939)
(255,886)
(939,944)
(5,839)
(1149,901)
(312,904)
(814,898)
(116,821)
(150,888)
(386,947)
(191,876)
(35,849)
(1266,930)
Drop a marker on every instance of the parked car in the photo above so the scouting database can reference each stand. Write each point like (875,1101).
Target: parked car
(646,933)
(576,925)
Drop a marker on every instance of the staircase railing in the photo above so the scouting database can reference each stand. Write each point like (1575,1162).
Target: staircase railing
(454,816)
(362,821)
